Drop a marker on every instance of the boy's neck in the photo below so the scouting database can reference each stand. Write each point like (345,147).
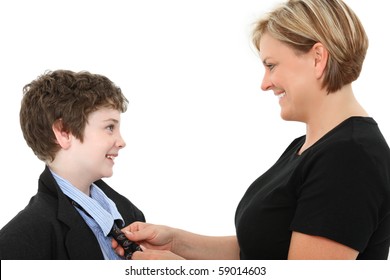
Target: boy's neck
(74,177)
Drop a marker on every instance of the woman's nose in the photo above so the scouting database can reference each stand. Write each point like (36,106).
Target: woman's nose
(266,83)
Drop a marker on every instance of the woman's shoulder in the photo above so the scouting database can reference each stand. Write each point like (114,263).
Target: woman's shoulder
(354,135)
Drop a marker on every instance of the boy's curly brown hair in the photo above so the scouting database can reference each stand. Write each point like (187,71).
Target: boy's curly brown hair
(67,96)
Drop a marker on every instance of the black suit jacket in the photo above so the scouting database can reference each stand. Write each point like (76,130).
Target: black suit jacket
(51,228)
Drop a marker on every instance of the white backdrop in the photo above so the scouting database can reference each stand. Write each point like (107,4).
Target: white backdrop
(198,129)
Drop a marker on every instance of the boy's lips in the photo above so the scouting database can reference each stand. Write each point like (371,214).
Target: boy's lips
(111,156)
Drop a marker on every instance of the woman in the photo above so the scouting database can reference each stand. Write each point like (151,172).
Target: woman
(328,195)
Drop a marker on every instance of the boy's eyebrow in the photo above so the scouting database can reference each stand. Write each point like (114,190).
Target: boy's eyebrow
(111,120)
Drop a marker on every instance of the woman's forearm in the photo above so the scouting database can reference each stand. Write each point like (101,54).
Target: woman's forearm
(200,247)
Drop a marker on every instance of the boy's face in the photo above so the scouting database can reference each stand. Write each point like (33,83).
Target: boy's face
(102,141)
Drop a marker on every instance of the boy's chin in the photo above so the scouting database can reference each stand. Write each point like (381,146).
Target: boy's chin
(107,174)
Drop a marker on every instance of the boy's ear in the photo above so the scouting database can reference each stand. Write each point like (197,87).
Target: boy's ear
(63,136)
(321,56)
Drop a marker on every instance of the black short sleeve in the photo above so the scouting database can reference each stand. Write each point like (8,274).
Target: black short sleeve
(340,196)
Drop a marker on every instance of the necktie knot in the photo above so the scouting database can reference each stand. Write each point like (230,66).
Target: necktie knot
(128,246)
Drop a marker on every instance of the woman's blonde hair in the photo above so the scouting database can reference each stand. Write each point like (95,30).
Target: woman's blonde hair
(302,23)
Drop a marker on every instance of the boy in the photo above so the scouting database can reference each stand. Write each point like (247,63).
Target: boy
(72,122)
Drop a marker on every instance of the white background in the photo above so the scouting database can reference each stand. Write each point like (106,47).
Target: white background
(199,130)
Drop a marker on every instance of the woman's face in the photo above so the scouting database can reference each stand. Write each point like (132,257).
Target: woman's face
(292,78)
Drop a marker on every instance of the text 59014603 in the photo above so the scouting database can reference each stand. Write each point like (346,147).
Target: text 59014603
(233,270)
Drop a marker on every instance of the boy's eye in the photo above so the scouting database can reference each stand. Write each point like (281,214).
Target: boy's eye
(110,127)
(270,66)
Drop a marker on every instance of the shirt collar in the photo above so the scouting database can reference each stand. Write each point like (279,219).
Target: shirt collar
(100,207)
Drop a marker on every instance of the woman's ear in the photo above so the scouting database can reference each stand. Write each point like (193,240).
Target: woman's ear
(321,56)
(62,135)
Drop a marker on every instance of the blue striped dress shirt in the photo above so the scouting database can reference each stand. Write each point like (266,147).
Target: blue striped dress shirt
(101,209)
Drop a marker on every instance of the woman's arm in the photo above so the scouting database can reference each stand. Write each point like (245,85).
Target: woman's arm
(161,241)
(200,247)
(309,247)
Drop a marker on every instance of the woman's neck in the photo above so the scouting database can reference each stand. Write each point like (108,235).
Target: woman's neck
(333,109)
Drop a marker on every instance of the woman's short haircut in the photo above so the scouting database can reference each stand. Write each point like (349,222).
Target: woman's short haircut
(302,23)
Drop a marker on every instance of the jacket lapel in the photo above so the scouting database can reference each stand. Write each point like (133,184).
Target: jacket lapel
(80,242)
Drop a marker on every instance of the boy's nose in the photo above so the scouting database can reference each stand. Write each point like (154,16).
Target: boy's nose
(121,142)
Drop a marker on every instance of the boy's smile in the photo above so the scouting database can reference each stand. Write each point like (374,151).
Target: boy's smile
(92,158)
(111,157)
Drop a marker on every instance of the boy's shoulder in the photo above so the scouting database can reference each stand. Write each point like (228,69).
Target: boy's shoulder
(38,212)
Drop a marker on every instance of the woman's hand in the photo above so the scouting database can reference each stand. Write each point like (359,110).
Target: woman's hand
(155,240)
(150,236)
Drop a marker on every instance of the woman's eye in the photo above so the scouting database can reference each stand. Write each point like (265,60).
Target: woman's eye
(110,127)
(270,66)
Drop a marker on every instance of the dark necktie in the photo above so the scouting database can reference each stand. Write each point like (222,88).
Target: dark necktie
(127,245)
